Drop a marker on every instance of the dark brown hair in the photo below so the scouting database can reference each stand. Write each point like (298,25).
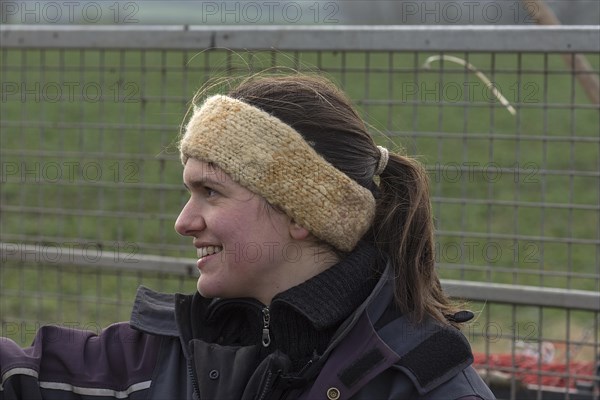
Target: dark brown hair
(403,226)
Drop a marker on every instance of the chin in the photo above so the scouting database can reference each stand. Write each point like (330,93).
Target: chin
(208,290)
(203,290)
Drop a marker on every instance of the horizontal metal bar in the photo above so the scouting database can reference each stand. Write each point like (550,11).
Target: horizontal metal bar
(16,65)
(434,103)
(473,38)
(523,295)
(478,291)
(139,247)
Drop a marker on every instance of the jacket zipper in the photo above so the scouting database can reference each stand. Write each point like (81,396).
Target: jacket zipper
(192,373)
(266,386)
(266,336)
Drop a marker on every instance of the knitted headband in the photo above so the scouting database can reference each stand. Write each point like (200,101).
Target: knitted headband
(270,158)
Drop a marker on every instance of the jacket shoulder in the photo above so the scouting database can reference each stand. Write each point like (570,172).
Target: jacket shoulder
(436,358)
(429,353)
(433,363)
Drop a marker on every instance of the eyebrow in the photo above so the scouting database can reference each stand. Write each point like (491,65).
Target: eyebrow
(199,183)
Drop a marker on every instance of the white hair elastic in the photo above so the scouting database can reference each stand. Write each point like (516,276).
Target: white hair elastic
(383,160)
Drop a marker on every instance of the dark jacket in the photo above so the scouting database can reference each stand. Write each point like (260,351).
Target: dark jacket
(376,353)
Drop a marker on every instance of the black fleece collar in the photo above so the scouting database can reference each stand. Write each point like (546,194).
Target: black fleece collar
(331,296)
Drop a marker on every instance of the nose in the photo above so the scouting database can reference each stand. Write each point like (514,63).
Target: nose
(190,220)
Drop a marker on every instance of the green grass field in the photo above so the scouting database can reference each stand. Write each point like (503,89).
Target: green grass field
(515,197)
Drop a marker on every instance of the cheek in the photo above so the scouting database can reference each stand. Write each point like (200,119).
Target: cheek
(256,234)
(234,225)
(248,222)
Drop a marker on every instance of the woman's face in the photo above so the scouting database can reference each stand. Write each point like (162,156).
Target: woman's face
(241,246)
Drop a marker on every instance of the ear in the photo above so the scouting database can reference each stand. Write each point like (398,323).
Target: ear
(298,232)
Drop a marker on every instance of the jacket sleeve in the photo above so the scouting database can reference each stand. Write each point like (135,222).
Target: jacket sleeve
(65,363)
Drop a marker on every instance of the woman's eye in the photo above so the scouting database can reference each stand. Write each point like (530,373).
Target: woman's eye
(210,192)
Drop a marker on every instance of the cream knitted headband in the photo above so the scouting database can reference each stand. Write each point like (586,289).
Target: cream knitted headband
(270,158)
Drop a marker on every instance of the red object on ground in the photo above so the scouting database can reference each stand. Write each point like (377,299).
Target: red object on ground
(531,371)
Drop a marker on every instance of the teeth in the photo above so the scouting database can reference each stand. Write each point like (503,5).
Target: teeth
(205,251)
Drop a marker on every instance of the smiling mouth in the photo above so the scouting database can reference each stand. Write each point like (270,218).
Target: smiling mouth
(208,250)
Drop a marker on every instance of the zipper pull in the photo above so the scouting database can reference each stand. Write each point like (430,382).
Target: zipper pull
(266,337)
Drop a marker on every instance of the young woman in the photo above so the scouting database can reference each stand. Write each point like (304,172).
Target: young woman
(317,277)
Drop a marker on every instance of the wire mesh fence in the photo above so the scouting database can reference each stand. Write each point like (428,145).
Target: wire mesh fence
(91,182)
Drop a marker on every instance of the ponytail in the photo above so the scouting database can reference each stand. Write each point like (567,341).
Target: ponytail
(403,229)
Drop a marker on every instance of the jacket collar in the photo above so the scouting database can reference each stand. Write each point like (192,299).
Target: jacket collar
(343,287)
(154,312)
